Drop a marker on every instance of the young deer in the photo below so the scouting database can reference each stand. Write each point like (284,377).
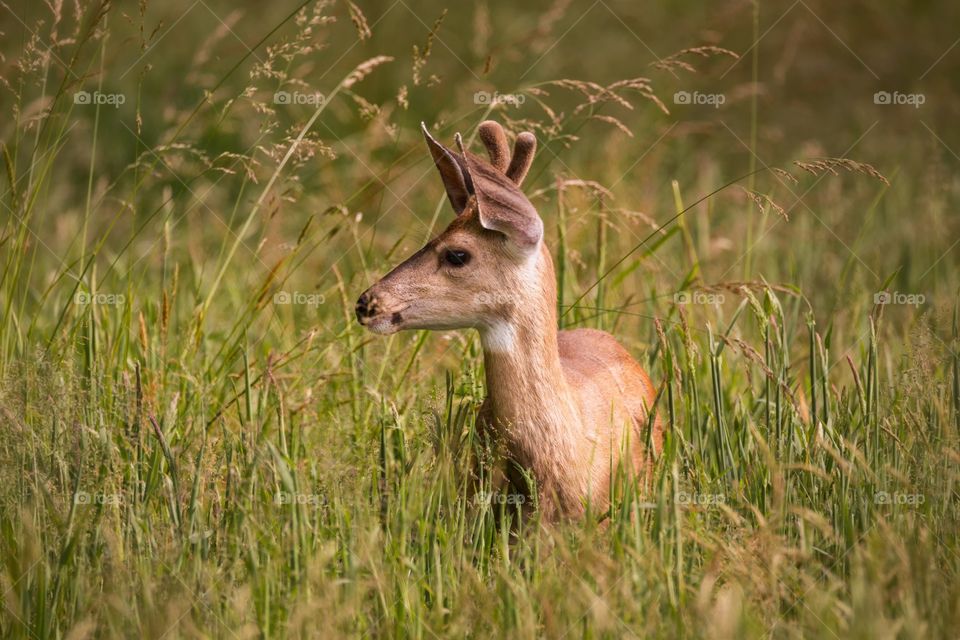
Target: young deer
(568,406)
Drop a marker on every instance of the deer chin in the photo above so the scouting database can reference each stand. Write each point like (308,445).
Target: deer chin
(414,317)
(382,326)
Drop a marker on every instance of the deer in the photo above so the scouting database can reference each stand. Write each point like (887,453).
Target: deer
(569,407)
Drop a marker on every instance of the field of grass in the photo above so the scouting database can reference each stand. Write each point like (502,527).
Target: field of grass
(198,440)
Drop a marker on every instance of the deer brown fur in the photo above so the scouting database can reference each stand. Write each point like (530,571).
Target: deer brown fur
(568,406)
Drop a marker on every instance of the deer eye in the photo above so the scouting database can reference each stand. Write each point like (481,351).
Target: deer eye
(456,257)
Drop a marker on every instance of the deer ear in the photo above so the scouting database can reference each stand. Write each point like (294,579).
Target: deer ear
(523,230)
(456,179)
(503,208)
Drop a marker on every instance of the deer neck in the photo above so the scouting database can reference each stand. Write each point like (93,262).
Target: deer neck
(531,400)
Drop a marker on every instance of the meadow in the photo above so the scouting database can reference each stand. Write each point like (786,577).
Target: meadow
(197,439)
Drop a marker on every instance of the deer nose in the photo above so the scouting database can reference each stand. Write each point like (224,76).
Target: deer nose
(366,307)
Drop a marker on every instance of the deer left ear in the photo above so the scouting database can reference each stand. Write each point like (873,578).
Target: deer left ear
(453,172)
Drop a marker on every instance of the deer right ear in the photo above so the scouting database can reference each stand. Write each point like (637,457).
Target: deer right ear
(456,179)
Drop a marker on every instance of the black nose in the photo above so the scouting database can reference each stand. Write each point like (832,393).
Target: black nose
(365,307)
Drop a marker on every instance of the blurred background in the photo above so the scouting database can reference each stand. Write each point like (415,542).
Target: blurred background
(768,83)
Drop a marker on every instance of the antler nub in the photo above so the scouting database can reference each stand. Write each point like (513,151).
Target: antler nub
(495,140)
(523,150)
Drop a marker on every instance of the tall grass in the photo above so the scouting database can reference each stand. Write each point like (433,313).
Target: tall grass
(198,439)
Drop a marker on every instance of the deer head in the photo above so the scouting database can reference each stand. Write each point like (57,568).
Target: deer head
(486,263)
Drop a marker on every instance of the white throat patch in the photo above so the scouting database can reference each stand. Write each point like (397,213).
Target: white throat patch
(499,337)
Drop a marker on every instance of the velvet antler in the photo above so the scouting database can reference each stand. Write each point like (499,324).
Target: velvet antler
(495,140)
(523,150)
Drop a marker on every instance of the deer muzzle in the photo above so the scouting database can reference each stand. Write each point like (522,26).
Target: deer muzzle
(378,314)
